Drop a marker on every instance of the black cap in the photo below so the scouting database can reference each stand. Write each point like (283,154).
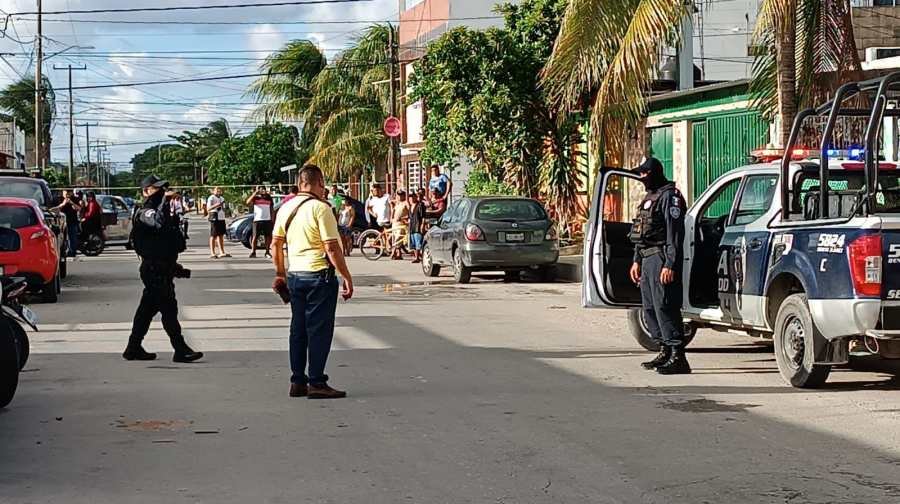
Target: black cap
(649,165)
(153,181)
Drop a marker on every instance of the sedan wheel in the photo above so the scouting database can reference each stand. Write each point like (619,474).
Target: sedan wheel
(428,266)
(461,273)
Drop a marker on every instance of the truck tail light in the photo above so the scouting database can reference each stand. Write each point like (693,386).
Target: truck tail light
(474,233)
(865,265)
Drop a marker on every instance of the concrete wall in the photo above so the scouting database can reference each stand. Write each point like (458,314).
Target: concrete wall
(876,27)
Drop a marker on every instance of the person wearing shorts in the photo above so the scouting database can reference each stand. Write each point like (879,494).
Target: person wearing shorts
(263,211)
(416,226)
(215,208)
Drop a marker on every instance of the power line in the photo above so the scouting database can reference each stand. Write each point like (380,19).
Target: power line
(253,23)
(183,7)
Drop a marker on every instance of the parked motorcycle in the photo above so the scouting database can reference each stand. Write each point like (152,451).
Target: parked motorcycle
(92,243)
(14,344)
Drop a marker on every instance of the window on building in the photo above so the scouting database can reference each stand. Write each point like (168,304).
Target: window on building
(414,175)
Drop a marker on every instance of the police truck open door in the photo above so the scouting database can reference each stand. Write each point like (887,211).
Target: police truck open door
(608,251)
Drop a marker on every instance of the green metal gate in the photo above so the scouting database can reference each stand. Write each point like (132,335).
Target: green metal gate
(722,144)
(661,148)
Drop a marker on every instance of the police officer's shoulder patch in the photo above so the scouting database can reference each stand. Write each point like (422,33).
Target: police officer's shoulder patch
(676,200)
(675,211)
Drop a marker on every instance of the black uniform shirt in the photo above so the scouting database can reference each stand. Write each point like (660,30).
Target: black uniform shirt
(672,207)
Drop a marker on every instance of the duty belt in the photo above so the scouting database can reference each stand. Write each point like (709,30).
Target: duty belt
(650,251)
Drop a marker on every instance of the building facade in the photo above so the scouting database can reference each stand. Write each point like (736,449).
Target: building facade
(12,146)
(422,22)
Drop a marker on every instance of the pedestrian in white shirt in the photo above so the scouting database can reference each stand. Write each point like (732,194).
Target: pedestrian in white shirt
(378,207)
(215,208)
(263,210)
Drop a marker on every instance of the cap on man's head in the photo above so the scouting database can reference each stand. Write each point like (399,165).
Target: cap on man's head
(153,181)
(650,165)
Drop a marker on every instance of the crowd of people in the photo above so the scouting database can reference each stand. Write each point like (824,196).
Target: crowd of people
(406,217)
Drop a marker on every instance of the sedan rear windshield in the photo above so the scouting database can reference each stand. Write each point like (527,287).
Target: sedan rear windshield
(23,189)
(17,217)
(510,210)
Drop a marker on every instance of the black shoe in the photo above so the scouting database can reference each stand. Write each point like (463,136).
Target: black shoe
(677,364)
(137,353)
(664,353)
(186,355)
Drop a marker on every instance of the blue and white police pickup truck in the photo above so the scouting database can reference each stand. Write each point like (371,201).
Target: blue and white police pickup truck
(769,253)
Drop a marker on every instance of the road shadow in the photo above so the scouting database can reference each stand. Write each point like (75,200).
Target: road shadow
(426,419)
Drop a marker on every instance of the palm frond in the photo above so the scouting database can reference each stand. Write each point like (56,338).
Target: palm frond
(620,102)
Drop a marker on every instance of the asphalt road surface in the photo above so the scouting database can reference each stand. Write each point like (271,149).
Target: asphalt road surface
(487,393)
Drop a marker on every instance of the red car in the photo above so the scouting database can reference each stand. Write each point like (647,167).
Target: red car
(28,247)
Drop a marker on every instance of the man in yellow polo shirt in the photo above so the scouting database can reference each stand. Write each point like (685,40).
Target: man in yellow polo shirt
(314,256)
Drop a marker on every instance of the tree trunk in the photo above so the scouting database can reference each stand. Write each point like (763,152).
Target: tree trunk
(785,57)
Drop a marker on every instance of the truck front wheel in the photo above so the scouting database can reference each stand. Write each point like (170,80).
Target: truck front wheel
(641,334)
(795,338)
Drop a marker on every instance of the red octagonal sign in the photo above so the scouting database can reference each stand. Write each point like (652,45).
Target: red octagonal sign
(392,127)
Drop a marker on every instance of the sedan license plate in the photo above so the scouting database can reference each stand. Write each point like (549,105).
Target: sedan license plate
(515,237)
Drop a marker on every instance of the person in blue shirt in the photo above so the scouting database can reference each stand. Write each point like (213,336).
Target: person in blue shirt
(440,182)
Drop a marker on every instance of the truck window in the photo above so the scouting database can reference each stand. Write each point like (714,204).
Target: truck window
(756,199)
(720,204)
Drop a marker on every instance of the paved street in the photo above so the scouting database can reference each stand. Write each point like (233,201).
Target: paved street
(487,393)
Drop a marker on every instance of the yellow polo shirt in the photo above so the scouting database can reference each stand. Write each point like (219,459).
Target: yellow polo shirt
(313,225)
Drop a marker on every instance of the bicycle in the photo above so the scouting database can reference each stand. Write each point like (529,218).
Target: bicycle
(374,243)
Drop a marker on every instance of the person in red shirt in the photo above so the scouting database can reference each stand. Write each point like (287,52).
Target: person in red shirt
(91,218)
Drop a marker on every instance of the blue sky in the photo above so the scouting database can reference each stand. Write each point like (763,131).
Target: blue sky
(123,113)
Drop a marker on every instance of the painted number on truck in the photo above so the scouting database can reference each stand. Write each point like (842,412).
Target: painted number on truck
(894,253)
(831,243)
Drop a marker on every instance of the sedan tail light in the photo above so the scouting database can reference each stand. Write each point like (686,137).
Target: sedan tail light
(38,234)
(474,233)
(552,233)
(865,265)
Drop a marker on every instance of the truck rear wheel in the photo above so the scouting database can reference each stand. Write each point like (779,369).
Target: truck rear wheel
(796,337)
(641,334)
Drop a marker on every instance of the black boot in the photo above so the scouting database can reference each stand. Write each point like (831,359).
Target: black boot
(664,353)
(677,363)
(184,353)
(135,351)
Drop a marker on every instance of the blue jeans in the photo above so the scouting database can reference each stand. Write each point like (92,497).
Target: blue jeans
(415,241)
(72,230)
(313,305)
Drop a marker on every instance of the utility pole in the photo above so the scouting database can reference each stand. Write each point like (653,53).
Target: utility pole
(394,157)
(71,120)
(87,131)
(38,91)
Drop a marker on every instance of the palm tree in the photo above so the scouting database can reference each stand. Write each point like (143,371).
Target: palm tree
(18,100)
(200,146)
(285,91)
(341,105)
(351,99)
(814,52)
(614,47)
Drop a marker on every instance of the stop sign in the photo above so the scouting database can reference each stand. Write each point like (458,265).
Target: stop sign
(392,127)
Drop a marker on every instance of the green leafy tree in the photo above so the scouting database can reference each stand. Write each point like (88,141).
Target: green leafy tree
(481,89)
(18,100)
(254,159)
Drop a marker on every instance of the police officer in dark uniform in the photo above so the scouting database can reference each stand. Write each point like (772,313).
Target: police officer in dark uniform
(658,235)
(158,240)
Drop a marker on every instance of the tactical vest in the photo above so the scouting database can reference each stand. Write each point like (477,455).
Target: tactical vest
(160,244)
(649,228)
